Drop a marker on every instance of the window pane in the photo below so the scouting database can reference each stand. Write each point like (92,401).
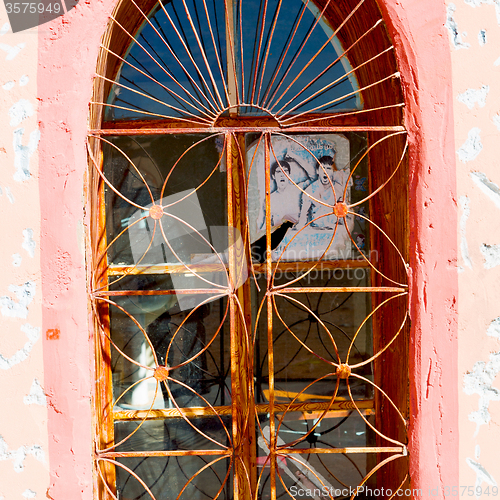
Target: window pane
(281,58)
(311,331)
(147,331)
(309,175)
(185,174)
(166,477)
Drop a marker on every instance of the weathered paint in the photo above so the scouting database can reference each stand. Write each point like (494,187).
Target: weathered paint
(479,287)
(24,458)
(418,28)
(464,246)
(471,97)
(471,148)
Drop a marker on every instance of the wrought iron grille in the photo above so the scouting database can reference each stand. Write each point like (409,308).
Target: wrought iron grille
(249,240)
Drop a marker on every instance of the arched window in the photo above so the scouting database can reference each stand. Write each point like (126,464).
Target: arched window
(249,231)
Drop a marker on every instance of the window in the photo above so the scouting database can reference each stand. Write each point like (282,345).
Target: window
(249,191)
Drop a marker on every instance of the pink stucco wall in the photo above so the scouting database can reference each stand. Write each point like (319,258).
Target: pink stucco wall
(476,95)
(59,59)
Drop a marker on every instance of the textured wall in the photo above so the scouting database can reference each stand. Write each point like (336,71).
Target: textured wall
(474,28)
(24,458)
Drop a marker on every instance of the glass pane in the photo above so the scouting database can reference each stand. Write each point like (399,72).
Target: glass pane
(183,173)
(309,175)
(280,59)
(310,332)
(151,330)
(291,60)
(315,475)
(174,434)
(165,71)
(167,476)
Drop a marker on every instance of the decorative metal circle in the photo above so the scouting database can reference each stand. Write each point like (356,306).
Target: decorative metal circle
(343,371)
(161,373)
(156,212)
(340,209)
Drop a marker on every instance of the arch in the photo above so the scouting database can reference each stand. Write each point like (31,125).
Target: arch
(420,41)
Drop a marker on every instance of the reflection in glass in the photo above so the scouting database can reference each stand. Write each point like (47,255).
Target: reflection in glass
(315,330)
(147,327)
(185,175)
(167,476)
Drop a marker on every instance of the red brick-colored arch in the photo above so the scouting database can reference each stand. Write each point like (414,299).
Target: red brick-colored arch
(68,49)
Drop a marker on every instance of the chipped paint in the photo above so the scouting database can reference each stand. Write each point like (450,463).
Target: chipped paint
(474,96)
(455,36)
(19,456)
(489,188)
(10,196)
(36,395)
(491,254)
(33,334)
(464,248)
(25,294)
(23,154)
(29,244)
(482,475)
(16,260)
(480,381)
(471,147)
(19,111)
(497,62)
(482,38)
(496,121)
(12,52)
(494,329)
(24,444)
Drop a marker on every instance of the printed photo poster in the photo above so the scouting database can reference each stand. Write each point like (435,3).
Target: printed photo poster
(302,197)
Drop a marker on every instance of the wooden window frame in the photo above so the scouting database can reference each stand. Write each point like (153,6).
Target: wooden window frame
(384,205)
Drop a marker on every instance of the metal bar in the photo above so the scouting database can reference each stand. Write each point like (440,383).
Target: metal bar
(348,113)
(120,293)
(217,55)
(202,50)
(303,408)
(167,453)
(284,52)
(333,63)
(118,270)
(258,50)
(338,99)
(338,289)
(289,129)
(297,54)
(270,341)
(333,35)
(150,76)
(213,103)
(230,53)
(160,65)
(330,85)
(268,43)
(367,449)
